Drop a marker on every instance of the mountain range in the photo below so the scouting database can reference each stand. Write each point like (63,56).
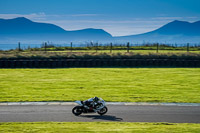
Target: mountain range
(26,31)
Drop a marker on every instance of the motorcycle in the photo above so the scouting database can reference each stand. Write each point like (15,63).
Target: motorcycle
(99,108)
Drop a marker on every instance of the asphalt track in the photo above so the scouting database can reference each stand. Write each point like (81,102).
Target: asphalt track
(123,113)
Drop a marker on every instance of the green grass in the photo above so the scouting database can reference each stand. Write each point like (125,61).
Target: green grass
(112,84)
(61,127)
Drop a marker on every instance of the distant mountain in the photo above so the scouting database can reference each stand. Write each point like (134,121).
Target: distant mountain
(173,32)
(25,26)
(179,28)
(25,30)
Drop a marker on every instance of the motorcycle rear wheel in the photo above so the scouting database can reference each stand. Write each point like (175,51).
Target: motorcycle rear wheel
(77,110)
(103,111)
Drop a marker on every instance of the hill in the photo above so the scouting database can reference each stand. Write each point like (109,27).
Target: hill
(25,30)
(173,32)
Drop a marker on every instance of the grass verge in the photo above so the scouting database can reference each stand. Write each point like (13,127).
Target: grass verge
(60,127)
(112,84)
(140,54)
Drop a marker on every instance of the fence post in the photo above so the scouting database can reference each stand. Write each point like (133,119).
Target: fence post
(45,46)
(92,46)
(110,47)
(128,46)
(188,47)
(175,45)
(96,46)
(19,46)
(71,46)
(157,45)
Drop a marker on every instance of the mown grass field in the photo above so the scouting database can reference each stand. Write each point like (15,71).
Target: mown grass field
(112,84)
(60,127)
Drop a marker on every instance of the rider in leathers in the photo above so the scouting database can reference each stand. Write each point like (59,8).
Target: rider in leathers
(92,103)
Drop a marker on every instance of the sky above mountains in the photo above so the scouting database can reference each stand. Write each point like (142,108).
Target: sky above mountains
(118,17)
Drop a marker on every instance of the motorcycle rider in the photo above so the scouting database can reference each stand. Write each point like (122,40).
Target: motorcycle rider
(92,103)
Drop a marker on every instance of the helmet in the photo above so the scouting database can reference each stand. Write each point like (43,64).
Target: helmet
(96,99)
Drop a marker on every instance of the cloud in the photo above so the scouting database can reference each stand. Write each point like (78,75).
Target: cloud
(45,16)
(105,21)
(116,28)
(84,15)
(29,16)
(167,18)
(186,18)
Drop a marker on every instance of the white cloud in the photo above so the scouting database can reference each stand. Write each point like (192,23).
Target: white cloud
(83,15)
(190,18)
(29,16)
(116,28)
(43,16)
(167,18)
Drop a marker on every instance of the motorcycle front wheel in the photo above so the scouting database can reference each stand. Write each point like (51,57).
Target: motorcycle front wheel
(103,111)
(77,110)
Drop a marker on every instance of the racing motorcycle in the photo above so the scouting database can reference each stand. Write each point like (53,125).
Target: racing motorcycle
(99,108)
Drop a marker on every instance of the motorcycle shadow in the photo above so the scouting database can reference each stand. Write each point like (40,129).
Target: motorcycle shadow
(103,117)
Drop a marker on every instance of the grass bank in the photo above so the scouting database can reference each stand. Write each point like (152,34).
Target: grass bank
(60,127)
(112,84)
(140,54)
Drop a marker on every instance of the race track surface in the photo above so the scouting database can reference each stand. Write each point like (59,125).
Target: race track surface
(123,113)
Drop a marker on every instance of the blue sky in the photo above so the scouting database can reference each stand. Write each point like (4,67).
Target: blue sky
(118,17)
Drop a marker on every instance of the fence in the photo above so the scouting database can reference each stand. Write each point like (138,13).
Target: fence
(111,47)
